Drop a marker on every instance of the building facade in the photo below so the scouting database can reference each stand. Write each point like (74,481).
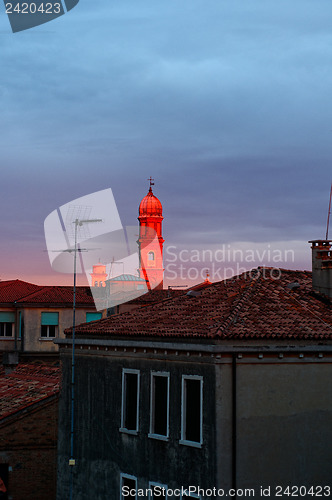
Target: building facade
(32,316)
(227,388)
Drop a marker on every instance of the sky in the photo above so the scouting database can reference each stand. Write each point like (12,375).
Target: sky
(225,103)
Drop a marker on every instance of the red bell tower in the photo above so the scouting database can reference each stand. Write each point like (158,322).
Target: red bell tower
(150,240)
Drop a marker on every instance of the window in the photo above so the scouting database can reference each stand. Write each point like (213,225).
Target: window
(191,410)
(128,486)
(130,401)
(191,495)
(159,405)
(157,490)
(151,259)
(92,316)
(49,324)
(7,320)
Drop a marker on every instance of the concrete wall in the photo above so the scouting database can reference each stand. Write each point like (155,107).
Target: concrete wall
(32,327)
(284,415)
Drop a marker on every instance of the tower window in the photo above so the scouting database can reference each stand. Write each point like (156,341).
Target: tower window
(151,256)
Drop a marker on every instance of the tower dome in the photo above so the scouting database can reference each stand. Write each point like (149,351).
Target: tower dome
(150,205)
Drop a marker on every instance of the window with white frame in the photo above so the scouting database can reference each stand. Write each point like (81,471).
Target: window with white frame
(7,321)
(159,405)
(157,490)
(130,400)
(49,324)
(128,486)
(190,495)
(192,410)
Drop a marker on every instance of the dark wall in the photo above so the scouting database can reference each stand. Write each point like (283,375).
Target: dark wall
(103,452)
(28,446)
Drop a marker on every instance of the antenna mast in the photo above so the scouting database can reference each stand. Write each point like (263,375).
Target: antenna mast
(328,215)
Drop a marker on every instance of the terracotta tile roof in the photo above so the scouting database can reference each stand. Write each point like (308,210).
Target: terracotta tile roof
(28,384)
(242,307)
(23,292)
(16,289)
(59,295)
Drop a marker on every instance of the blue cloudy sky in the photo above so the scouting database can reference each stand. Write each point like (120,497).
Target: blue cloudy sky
(226,103)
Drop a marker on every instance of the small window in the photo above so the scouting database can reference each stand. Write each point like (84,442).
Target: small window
(49,324)
(151,256)
(157,490)
(7,320)
(130,401)
(159,405)
(128,486)
(6,329)
(96,283)
(92,316)
(192,411)
(190,495)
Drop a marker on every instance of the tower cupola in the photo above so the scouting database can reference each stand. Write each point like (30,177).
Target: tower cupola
(150,240)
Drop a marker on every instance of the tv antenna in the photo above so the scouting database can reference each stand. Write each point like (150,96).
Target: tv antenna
(328,215)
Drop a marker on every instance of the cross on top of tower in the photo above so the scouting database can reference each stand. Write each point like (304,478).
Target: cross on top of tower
(151,183)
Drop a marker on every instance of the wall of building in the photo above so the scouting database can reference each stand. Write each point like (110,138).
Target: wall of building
(28,446)
(283,425)
(103,452)
(32,327)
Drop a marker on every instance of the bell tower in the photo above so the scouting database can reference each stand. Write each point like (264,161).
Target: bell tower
(150,240)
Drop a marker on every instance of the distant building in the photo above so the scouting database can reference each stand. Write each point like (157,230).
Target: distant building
(226,386)
(114,291)
(28,430)
(32,316)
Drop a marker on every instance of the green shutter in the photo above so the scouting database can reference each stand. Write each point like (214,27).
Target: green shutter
(49,318)
(93,317)
(7,317)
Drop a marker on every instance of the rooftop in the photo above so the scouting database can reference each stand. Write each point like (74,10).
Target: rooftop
(23,292)
(257,305)
(28,384)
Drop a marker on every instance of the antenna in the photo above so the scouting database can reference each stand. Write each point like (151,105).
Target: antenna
(328,215)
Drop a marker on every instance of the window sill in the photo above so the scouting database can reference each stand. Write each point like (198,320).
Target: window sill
(194,444)
(158,436)
(7,338)
(47,338)
(128,431)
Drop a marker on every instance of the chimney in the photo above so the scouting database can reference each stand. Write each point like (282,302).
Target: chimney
(9,361)
(322,267)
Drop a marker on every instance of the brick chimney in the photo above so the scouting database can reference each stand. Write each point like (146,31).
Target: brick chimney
(322,267)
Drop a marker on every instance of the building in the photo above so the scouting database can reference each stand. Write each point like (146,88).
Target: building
(32,316)
(28,430)
(228,386)
(113,291)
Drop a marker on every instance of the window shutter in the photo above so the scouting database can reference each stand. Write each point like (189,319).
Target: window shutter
(7,317)
(49,318)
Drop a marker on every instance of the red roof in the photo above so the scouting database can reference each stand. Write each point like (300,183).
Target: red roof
(59,295)
(243,307)
(150,205)
(28,384)
(22,292)
(16,289)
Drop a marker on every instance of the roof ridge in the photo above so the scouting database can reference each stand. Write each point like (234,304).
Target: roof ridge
(239,303)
